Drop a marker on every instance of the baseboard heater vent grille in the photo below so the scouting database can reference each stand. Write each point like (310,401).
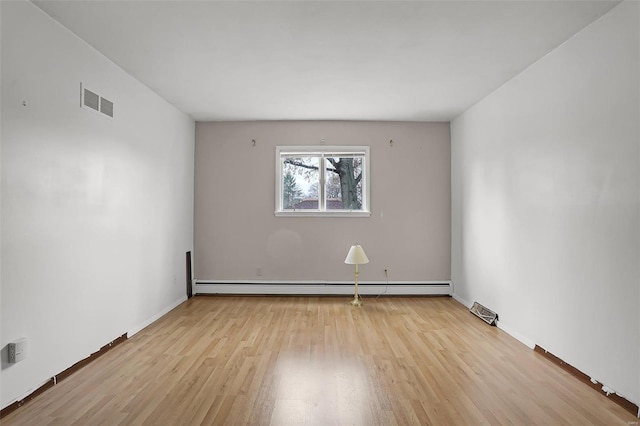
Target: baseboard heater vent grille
(485,314)
(319,288)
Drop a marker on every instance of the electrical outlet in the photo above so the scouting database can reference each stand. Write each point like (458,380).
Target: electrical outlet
(17,350)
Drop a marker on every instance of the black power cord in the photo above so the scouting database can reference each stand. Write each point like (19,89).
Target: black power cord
(386,287)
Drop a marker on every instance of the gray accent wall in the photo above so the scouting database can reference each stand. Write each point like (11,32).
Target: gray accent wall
(238,237)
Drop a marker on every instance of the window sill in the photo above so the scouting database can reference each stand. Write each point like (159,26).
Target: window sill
(316,213)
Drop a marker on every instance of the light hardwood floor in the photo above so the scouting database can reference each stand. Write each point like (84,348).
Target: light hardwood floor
(319,361)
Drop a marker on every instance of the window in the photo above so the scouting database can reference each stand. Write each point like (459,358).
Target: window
(322,181)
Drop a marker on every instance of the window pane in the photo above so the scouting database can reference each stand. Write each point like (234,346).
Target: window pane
(344,183)
(322,181)
(300,183)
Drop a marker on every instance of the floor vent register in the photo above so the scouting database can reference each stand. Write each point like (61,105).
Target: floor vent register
(485,314)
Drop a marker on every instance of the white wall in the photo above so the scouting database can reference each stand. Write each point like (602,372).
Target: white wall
(96,213)
(236,232)
(545,193)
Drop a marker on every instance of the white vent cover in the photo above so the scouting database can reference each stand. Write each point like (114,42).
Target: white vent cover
(484,313)
(91,100)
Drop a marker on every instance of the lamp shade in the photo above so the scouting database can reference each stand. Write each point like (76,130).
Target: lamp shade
(356,256)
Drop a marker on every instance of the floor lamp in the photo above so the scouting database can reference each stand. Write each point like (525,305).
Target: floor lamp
(356,256)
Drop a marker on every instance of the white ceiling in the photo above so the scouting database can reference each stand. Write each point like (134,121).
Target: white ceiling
(308,60)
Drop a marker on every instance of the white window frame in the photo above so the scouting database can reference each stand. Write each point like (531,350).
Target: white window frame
(322,151)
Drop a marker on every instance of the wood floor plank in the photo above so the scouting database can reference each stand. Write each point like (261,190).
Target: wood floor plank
(319,361)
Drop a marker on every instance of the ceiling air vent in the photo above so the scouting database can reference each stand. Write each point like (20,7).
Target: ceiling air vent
(91,100)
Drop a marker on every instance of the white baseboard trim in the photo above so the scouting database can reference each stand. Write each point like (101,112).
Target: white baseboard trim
(461,301)
(321,288)
(511,332)
(157,316)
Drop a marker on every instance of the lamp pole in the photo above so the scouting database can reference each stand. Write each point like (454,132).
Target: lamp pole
(356,299)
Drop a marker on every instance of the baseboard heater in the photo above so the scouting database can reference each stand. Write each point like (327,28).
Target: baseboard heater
(370,288)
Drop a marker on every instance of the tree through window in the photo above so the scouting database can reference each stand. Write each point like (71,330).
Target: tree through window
(322,180)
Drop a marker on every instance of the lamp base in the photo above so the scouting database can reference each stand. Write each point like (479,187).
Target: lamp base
(356,301)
